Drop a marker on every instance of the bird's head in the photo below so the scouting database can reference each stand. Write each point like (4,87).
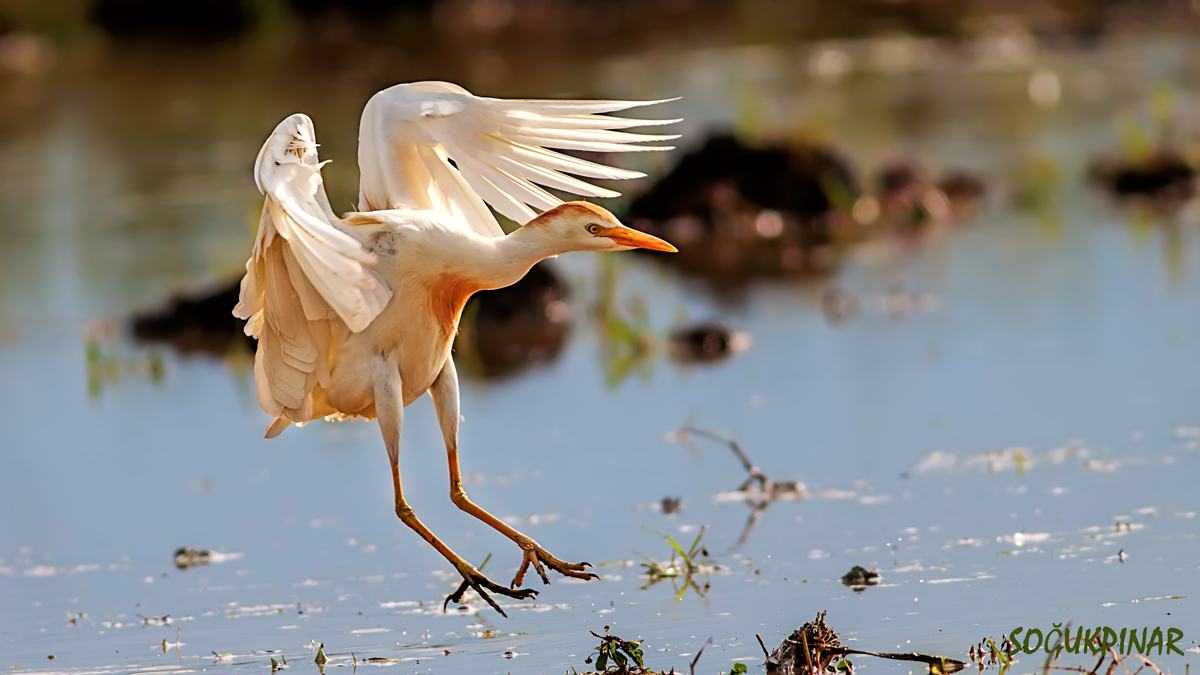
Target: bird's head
(581,226)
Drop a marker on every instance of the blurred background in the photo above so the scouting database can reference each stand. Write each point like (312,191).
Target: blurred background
(937,278)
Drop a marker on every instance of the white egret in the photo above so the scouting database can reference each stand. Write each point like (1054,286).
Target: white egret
(355,317)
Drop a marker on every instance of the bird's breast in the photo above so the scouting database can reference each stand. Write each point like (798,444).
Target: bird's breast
(447,294)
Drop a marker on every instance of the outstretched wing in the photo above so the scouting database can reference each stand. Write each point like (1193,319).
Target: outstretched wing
(410,134)
(308,282)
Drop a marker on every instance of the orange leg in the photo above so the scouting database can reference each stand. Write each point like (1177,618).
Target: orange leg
(390,410)
(445,399)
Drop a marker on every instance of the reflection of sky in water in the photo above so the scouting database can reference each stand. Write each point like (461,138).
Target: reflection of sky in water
(1039,338)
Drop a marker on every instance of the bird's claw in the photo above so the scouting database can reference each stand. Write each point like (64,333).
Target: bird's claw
(536,555)
(472,578)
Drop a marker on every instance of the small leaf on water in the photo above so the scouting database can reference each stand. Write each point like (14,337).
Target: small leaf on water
(738,667)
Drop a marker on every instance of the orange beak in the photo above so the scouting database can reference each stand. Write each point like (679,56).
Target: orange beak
(625,236)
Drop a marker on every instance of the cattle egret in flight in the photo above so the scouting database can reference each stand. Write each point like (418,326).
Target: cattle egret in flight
(355,317)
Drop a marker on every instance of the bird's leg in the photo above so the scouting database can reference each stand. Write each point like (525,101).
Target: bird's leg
(389,407)
(445,400)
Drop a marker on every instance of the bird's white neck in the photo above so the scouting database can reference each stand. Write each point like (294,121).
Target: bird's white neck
(512,255)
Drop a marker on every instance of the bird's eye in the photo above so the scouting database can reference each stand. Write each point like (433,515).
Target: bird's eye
(593,228)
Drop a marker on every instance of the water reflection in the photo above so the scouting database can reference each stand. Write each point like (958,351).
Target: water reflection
(503,332)
(200,324)
(628,343)
(509,330)
(758,491)
(108,362)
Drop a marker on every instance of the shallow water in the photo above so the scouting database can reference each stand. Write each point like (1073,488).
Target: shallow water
(1071,337)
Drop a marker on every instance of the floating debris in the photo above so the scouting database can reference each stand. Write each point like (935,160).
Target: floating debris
(707,343)
(813,647)
(671,505)
(187,557)
(684,568)
(858,578)
(625,655)
(816,648)
(618,656)
(987,653)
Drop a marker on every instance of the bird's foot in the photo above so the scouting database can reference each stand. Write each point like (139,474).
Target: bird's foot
(536,555)
(473,578)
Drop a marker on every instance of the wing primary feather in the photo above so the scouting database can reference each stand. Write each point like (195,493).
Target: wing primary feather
(503,202)
(523,119)
(589,146)
(586,135)
(517,187)
(551,178)
(551,106)
(548,159)
(457,196)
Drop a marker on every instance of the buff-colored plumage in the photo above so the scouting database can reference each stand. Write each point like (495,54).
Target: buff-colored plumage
(355,317)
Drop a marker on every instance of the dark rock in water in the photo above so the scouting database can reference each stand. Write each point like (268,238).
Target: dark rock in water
(198,323)
(737,212)
(897,177)
(671,505)
(725,175)
(1162,173)
(960,185)
(503,331)
(509,329)
(706,343)
(860,577)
